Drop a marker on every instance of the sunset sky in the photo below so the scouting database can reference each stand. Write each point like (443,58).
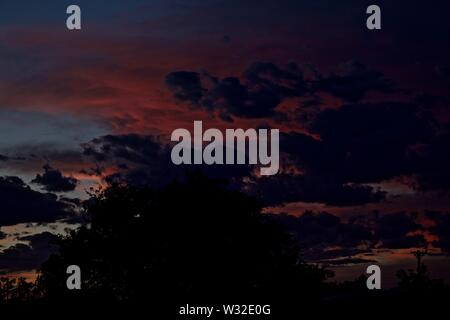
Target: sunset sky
(363,115)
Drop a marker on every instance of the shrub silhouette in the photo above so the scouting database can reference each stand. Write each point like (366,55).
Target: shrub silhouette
(192,240)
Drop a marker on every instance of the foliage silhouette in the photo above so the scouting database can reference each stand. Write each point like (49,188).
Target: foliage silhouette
(195,240)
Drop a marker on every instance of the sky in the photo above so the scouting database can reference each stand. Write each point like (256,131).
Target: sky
(363,116)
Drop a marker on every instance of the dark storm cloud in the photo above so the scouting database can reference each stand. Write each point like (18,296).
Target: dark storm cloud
(20,204)
(40,239)
(433,172)
(362,142)
(355,144)
(144,160)
(53,180)
(256,94)
(21,257)
(441,229)
(394,231)
(395,225)
(406,242)
(325,236)
(131,147)
(317,232)
(264,85)
(186,86)
(284,188)
(288,81)
(3,158)
(352,81)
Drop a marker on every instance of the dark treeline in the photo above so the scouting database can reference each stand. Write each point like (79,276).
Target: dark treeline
(196,241)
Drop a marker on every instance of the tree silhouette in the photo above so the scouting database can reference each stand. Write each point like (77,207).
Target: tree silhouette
(418,282)
(6,288)
(192,240)
(23,290)
(418,288)
(15,290)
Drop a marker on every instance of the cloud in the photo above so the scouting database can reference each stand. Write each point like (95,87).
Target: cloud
(185,86)
(441,229)
(395,225)
(347,261)
(324,236)
(374,142)
(318,231)
(144,160)
(352,81)
(21,257)
(257,94)
(20,204)
(284,188)
(412,241)
(52,180)
(138,159)
(352,146)
(394,231)
(433,171)
(264,85)
(361,143)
